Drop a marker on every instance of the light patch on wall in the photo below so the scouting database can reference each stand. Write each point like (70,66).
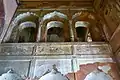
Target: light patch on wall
(10,7)
(105,68)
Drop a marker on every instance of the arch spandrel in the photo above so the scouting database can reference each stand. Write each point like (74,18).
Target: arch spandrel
(28,16)
(54,19)
(54,14)
(83,16)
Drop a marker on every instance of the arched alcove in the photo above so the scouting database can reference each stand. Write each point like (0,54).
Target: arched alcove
(93,28)
(55,19)
(55,31)
(81,30)
(27,32)
(80,25)
(22,27)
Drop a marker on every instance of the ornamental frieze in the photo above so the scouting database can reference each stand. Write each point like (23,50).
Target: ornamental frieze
(16,49)
(53,49)
(92,49)
(100,49)
(81,49)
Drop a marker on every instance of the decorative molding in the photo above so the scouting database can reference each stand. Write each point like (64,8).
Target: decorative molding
(16,49)
(94,49)
(54,14)
(82,24)
(23,16)
(53,49)
(52,24)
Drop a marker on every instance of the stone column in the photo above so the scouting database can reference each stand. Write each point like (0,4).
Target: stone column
(39,33)
(71,31)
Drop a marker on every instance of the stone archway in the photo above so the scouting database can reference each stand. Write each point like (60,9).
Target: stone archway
(55,17)
(93,28)
(22,22)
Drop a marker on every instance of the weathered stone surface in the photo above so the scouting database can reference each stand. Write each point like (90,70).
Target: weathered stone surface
(85,69)
(82,49)
(100,49)
(20,66)
(77,62)
(16,49)
(36,59)
(45,65)
(92,48)
(53,49)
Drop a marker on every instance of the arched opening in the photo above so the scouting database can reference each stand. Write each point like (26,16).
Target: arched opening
(27,35)
(23,28)
(81,28)
(81,33)
(55,31)
(27,32)
(55,34)
(54,24)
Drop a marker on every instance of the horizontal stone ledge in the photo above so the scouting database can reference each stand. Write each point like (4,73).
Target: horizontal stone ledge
(72,43)
(16,49)
(57,48)
(54,57)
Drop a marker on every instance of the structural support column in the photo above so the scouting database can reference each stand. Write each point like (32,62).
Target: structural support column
(39,33)
(71,31)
